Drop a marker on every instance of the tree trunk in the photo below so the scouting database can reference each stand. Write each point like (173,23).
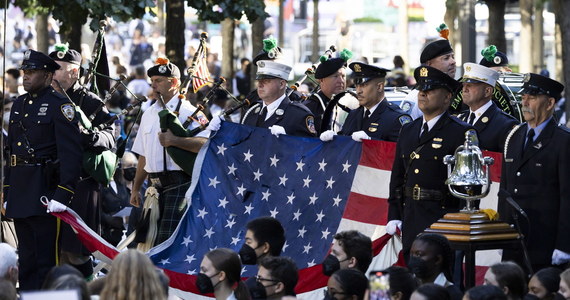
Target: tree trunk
(403,32)
(558,65)
(537,38)
(228,28)
(257,30)
(562,9)
(451,13)
(72,34)
(315,50)
(281,34)
(525,60)
(160,16)
(175,33)
(42,33)
(497,24)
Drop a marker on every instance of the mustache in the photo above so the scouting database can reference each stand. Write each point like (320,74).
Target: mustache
(527,110)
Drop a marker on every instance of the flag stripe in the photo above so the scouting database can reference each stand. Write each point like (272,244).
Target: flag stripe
(358,209)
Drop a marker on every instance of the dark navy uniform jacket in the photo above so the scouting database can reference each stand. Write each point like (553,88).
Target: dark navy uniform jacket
(492,128)
(293,116)
(383,124)
(538,179)
(426,171)
(314,105)
(42,127)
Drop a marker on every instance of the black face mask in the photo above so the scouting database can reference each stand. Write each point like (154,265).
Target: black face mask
(204,283)
(129,173)
(256,290)
(331,264)
(328,296)
(247,255)
(419,267)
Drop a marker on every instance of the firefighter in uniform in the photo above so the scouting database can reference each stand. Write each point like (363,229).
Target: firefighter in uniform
(44,143)
(418,194)
(275,110)
(86,204)
(491,123)
(376,117)
(536,174)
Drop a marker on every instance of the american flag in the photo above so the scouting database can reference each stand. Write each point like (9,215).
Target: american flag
(201,75)
(315,189)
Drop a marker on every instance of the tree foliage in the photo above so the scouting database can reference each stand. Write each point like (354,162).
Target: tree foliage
(216,11)
(69,12)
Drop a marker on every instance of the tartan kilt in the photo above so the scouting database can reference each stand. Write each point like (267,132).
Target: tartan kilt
(172,205)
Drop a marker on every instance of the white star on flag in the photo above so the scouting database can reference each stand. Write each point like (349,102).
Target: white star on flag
(241,189)
(337,200)
(322,165)
(223,202)
(221,149)
(274,212)
(313,198)
(235,240)
(307,181)
(266,195)
(283,179)
(300,165)
(248,156)
(213,181)
(274,160)
(320,216)
(190,258)
(257,175)
(297,214)
(230,223)
(186,241)
(248,209)
(330,183)
(164,261)
(202,213)
(302,232)
(345,166)
(325,234)
(290,198)
(307,248)
(232,170)
(209,232)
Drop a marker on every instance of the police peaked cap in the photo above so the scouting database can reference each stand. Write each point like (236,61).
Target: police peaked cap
(34,60)
(363,72)
(70,56)
(429,78)
(329,67)
(435,49)
(164,68)
(535,84)
(500,60)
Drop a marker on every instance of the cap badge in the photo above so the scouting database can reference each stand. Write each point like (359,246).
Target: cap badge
(357,68)
(261,64)
(60,54)
(497,60)
(526,77)
(423,72)
(162,69)
(468,68)
(27,54)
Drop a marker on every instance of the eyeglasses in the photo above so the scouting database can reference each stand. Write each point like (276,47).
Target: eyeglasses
(332,293)
(260,279)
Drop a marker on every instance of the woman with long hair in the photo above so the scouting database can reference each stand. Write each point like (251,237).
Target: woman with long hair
(220,274)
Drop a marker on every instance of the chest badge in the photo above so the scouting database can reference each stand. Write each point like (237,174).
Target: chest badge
(437,143)
(42,111)
(373,127)
(279,112)
(485,120)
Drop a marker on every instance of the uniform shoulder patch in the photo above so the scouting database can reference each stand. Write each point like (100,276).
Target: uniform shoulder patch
(405,119)
(68,111)
(310,123)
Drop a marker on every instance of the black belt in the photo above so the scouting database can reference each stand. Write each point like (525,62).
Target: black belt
(167,178)
(18,160)
(420,194)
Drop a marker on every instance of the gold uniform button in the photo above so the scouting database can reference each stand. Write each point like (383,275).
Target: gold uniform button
(435,157)
(416,171)
(26,115)
(19,143)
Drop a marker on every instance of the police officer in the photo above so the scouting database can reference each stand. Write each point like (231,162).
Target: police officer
(536,174)
(165,175)
(376,117)
(418,194)
(440,55)
(276,111)
(331,75)
(491,123)
(45,162)
(86,204)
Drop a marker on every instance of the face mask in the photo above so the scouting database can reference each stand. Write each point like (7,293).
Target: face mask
(257,290)
(331,264)
(204,283)
(328,296)
(419,267)
(247,255)
(129,173)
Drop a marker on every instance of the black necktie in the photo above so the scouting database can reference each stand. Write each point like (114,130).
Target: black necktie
(425,130)
(366,115)
(261,117)
(529,139)
(471,118)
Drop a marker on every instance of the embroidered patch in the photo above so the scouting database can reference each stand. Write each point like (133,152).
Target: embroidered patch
(201,118)
(310,122)
(68,111)
(405,119)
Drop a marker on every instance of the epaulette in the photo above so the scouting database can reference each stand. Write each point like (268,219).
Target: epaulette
(300,105)
(563,128)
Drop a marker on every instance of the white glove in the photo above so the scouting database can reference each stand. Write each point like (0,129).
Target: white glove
(359,136)
(392,226)
(559,257)
(276,130)
(215,123)
(327,136)
(5,202)
(54,206)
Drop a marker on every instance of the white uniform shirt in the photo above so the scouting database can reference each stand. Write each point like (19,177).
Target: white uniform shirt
(146,142)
